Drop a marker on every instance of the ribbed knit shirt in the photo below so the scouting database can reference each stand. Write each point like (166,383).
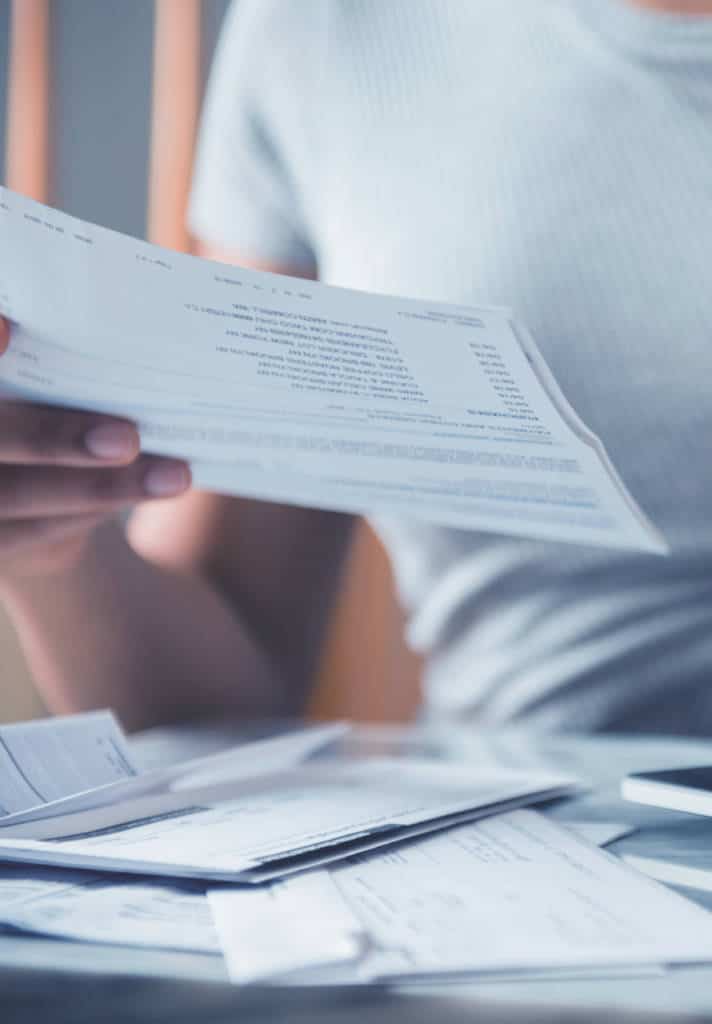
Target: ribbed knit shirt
(553,156)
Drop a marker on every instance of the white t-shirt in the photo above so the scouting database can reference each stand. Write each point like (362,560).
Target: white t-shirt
(555,157)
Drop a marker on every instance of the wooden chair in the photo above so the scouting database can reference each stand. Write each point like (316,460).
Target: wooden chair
(367,672)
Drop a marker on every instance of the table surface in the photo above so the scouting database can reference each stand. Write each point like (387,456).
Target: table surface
(599,761)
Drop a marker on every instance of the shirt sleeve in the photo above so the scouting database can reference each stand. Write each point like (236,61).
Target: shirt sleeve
(245,193)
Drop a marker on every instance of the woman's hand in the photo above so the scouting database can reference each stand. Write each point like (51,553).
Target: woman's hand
(62,473)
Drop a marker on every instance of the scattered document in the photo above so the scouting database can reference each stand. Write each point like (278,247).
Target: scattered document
(87,907)
(308,816)
(142,794)
(98,908)
(511,894)
(295,391)
(44,761)
(290,926)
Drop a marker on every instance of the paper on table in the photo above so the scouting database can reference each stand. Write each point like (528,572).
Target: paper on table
(47,760)
(87,907)
(150,793)
(513,893)
(99,908)
(518,891)
(285,928)
(295,391)
(307,814)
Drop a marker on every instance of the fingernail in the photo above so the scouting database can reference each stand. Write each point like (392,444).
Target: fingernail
(111,441)
(165,479)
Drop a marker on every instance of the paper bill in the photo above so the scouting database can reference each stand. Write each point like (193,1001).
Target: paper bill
(100,908)
(516,894)
(110,803)
(295,391)
(278,824)
(47,760)
(288,927)
(86,907)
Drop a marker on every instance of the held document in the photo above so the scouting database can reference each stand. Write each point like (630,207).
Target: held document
(296,391)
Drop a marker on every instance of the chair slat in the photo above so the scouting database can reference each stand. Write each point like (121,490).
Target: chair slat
(27,143)
(175,104)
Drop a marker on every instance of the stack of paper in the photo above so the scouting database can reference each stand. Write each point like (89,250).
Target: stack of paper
(511,895)
(46,761)
(251,814)
(98,907)
(62,776)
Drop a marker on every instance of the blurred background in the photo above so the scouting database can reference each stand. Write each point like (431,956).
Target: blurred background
(99,102)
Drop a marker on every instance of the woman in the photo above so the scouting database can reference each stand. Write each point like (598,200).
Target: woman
(554,157)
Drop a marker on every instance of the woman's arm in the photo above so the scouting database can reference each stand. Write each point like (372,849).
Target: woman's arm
(206,604)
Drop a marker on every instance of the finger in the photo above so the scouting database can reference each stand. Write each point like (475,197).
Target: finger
(40,492)
(40,434)
(4,335)
(21,536)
